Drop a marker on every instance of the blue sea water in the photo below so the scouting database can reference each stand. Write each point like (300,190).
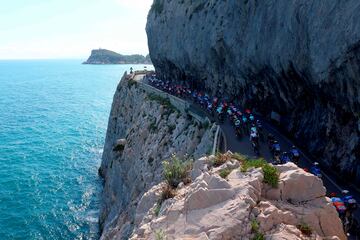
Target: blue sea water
(53,119)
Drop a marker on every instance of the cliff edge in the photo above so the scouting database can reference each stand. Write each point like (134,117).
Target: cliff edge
(299,58)
(143,131)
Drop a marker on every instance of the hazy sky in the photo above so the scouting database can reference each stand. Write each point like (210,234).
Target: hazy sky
(71,28)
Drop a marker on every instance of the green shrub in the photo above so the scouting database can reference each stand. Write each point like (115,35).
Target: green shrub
(259,236)
(254,226)
(159,235)
(239,157)
(255,163)
(271,175)
(206,125)
(157,209)
(131,83)
(152,127)
(255,229)
(176,171)
(224,172)
(305,229)
(162,101)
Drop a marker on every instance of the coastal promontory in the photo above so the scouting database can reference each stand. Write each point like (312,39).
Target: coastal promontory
(103,56)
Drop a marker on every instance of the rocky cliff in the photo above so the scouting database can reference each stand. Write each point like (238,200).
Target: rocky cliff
(223,197)
(300,58)
(142,132)
(241,206)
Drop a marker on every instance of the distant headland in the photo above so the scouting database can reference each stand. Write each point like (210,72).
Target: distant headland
(103,56)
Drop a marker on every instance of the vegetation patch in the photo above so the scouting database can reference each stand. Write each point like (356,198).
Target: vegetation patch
(224,172)
(304,228)
(157,209)
(131,83)
(271,175)
(258,236)
(176,171)
(255,228)
(167,193)
(239,157)
(159,235)
(153,126)
(162,101)
(206,125)
(220,159)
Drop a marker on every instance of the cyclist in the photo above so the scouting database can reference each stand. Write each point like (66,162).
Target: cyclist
(349,200)
(295,155)
(252,118)
(316,170)
(254,137)
(284,158)
(253,129)
(270,140)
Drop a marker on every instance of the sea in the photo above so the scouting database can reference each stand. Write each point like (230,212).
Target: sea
(53,119)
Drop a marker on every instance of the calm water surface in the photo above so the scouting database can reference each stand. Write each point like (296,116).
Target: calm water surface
(53,118)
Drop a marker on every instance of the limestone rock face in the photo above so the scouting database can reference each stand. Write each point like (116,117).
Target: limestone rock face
(300,58)
(215,208)
(292,177)
(145,131)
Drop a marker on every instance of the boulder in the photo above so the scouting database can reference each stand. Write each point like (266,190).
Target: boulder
(298,185)
(199,167)
(204,198)
(147,201)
